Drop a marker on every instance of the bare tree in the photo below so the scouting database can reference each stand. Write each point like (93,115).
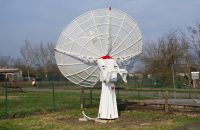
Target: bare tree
(27,56)
(160,56)
(44,57)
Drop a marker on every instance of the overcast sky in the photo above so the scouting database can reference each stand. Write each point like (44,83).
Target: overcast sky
(43,20)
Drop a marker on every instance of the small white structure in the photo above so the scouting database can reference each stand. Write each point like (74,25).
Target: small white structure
(11,74)
(195,77)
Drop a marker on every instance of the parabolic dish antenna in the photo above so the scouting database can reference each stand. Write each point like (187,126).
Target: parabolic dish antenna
(97,45)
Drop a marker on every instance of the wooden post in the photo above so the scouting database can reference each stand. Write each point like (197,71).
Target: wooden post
(166,96)
(156,94)
(166,101)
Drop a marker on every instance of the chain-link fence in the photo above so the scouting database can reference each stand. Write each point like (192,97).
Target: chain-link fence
(22,98)
(19,99)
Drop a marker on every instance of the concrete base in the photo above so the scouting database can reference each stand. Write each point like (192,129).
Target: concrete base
(96,120)
(104,121)
(83,119)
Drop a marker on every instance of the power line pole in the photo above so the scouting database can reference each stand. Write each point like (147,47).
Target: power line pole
(173,78)
(187,63)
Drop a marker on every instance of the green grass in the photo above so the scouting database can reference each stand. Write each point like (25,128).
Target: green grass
(34,110)
(20,104)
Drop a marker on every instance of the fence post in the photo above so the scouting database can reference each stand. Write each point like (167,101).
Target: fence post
(189,93)
(39,83)
(166,101)
(117,90)
(53,91)
(138,90)
(82,97)
(173,79)
(6,100)
(156,94)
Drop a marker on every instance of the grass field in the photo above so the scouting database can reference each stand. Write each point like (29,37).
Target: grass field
(68,119)
(33,102)
(34,110)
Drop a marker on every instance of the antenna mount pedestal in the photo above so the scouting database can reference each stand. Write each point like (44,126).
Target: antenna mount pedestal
(108,103)
(108,75)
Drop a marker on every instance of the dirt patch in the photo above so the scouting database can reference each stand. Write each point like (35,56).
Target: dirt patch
(123,122)
(192,126)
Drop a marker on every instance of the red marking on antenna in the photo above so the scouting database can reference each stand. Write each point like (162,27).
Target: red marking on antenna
(106,57)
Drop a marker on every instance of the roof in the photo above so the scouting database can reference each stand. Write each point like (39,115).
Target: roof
(9,70)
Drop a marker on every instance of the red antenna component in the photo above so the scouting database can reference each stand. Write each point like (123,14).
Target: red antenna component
(106,57)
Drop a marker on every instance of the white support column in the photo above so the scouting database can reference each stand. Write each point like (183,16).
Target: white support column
(108,103)
(108,75)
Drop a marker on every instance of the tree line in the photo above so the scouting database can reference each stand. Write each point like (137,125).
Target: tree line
(177,51)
